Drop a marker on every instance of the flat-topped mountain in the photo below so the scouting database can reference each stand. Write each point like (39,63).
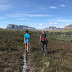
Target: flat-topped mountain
(53,28)
(68,26)
(20,27)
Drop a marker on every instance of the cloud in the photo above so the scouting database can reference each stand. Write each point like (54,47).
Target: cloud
(53,7)
(64,20)
(14,15)
(61,26)
(27,15)
(52,23)
(3,1)
(21,19)
(62,5)
(1,26)
(40,24)
(5,7)
(1,18)
(37,15)
(67,24)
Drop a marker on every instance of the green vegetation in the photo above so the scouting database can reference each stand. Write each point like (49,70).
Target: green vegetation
(65,30)
(11,51)
(58,59)
(64,36)
(59,55)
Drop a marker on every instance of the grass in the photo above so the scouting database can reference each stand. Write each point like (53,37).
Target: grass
(64,30)
(59,55)
(59,52)
(11,51)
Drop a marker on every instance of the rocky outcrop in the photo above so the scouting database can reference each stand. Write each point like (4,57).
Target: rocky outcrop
(53,28)
(68,26)
(19,27)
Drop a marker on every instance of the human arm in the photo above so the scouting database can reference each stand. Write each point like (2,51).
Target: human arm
(46,39)
(29,36)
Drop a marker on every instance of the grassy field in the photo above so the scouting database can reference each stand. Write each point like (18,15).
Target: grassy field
(65,30)
(59,54)
(11,50)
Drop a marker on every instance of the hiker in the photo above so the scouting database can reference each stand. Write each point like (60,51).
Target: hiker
(26,41)
(43,42)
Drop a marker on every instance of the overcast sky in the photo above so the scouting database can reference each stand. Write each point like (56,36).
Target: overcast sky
(36,13)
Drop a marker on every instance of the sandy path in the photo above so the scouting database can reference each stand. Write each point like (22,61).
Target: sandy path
(25,61)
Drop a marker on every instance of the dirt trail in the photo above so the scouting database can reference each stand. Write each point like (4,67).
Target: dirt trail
(25,61)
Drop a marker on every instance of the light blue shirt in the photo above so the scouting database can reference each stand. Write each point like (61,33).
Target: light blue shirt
(27,37)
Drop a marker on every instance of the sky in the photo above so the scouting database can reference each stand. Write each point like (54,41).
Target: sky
(36,13)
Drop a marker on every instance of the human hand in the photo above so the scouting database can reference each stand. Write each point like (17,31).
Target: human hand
(24,42)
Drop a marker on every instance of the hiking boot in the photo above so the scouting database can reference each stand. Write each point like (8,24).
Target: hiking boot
(26,50)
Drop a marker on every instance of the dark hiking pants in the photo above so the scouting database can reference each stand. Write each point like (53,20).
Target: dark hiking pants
(44,47)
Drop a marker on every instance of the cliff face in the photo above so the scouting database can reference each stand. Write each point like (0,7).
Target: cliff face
(68,26)
(53,28)
(20,27)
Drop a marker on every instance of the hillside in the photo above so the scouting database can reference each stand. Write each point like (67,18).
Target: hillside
(19,27)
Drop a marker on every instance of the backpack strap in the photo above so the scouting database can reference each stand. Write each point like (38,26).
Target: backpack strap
(42,35)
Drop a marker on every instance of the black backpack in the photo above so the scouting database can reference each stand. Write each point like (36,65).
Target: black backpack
(43,37)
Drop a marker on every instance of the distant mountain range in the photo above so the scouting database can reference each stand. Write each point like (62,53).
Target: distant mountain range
(19,27)
(54,28)
(22,27)
(68,26)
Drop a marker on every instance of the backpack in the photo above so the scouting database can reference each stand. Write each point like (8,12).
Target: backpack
(43,37)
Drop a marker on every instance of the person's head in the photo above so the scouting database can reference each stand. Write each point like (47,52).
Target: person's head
(26,31)
(43,32)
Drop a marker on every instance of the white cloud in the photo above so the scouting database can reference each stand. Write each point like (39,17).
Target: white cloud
(52,23)
(37,15)
(62,5)
(2,26)
(1,18)
(5,7)
(14,15)
(53,7)
(55,23)
(27,15)
(64,20)
(21,19)
(62,26)
(68,24)
(40,24)
(3,1)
